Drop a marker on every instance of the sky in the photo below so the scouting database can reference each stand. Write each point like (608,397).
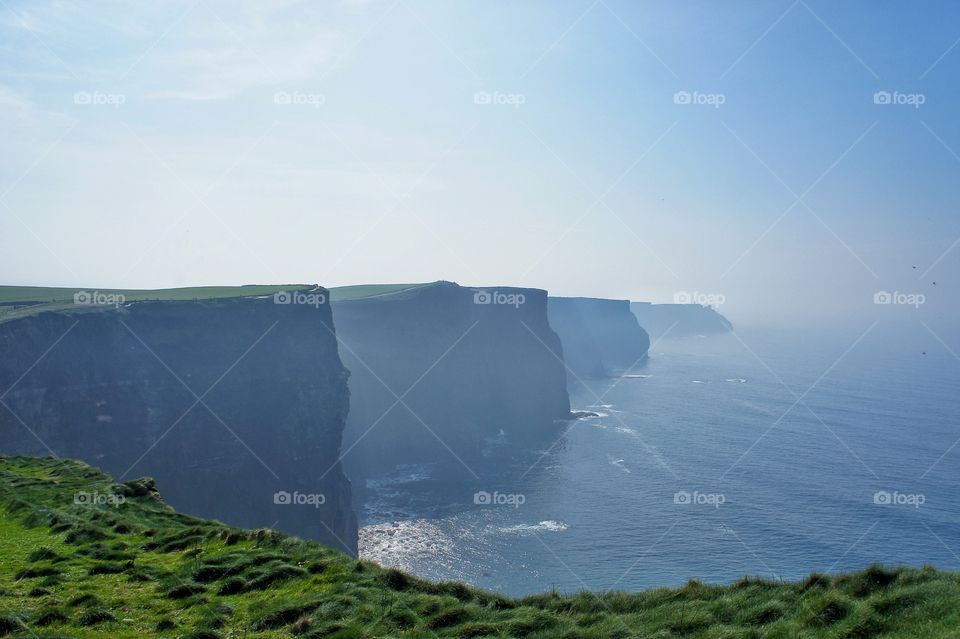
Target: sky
(786,159)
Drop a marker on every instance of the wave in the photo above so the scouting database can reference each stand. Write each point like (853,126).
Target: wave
(618,429)
(544,526)
(619,463)
(405,474)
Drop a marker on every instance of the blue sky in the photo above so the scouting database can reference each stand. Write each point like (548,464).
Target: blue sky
(181,143)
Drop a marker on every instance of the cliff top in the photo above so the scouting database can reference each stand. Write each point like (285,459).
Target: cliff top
(14,295)
(22,301)
(364,291)
(405,291)
(84,556)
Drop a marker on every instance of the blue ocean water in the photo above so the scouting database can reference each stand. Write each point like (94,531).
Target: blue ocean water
(767,453)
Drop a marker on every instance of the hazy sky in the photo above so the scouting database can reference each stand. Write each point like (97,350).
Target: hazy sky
(616,148)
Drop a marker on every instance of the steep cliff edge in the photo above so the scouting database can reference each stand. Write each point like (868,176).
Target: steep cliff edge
(679,320)
(439,370)
(599,336)
(237,405)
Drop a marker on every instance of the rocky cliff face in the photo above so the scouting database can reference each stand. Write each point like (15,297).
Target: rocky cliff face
(236,406)
(599,336)
(440,370)
(679,320)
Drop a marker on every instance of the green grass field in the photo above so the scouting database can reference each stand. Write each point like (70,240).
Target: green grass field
(23,301)
(24,294)
(362,291)
(139,569)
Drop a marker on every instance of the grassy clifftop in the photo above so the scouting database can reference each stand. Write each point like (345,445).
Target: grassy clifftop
(82,556)
(23,301)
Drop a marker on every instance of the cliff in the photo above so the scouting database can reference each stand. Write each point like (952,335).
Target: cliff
(681,320)
(468,366)
(232,404)
(599,336)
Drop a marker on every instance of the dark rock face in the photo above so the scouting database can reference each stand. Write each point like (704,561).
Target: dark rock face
(599,336)
(469,365)
(679,320)
(272,405)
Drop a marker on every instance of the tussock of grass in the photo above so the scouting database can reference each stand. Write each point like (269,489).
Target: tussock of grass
(183,591)
(95,616)
(49,616)
(37,571)
(141,569)
(43,554)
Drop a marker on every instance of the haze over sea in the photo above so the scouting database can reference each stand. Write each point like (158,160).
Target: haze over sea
(768,453)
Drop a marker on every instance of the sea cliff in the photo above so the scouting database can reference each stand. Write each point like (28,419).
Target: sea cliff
(600,337)
(439,371)
(236,405)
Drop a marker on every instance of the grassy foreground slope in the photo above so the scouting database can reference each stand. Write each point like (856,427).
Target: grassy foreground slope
(123,564)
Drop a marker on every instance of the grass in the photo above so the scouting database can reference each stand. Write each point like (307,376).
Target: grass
(22,301)
(142,570)
(362,291)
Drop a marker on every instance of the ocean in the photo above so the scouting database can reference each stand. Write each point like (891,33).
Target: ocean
(763,453)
